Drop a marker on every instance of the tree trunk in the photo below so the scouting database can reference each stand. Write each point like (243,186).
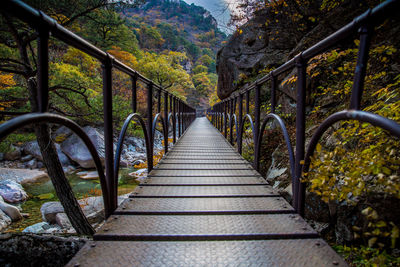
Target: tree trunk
(61,185)
(54,168)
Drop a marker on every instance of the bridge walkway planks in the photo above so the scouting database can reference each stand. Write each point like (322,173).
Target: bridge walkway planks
(204,205)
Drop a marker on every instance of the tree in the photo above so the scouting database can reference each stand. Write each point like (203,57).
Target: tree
(167,71)
(18,57)
(105,28)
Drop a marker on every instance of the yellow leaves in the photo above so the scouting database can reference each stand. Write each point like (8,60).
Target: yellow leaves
(6,80)
(395,234)
(372,241)
(290,80)
(370,213)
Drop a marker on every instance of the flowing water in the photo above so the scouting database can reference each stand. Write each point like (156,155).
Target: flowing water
(44,192)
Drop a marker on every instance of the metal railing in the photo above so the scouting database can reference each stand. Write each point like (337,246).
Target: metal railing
(223,113)
(175,111)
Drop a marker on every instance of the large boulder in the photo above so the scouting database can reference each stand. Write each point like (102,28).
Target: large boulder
(92,207)
(12,192)
(61,134)
(37,228)
(250,50)
(5,221)
(49,211)
(14,154)
(32,148)
(23,176)
(11,211)
(77,150)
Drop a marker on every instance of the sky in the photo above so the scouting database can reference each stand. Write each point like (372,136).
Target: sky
(219,9)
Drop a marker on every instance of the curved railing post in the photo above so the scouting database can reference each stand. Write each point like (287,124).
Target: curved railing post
(150,124)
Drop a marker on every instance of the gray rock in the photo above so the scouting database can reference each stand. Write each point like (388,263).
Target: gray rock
(26,158)
(32,164)
(1,156)
(62,133)
(12,192)
(78,152)
(63,221)
(5,221)
(11,211)
(90,175)
(14,154)
(32,148)
(69,169)
(37,228)
(38,250)
(49,211)
(93,208)
(23,176)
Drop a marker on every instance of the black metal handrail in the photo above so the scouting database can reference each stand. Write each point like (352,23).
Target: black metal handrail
(182,114)
(219,113)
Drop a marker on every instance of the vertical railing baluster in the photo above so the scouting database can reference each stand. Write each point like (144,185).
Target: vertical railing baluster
(298,187)
(166,121)
(239,142)
(179,118)
(134,93)
(231,121)
(248,102)
(256,125)
(108,132)
(220,118)
(171,110)
(225,118)
(43,70)
(361,67)
(273,92)
(159,101)
(150,125)
(174,118)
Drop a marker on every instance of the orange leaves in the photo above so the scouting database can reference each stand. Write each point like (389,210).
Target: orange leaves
(126,57)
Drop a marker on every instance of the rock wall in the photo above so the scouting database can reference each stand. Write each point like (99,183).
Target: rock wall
(258,45)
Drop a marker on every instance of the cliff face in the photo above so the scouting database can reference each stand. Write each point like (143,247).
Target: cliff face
(268,40)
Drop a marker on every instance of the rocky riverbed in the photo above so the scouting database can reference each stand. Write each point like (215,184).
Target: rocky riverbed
(28,202)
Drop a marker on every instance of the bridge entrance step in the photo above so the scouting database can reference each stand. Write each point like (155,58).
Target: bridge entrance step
(204,205)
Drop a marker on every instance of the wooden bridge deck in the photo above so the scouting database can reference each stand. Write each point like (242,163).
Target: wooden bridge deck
(204,205)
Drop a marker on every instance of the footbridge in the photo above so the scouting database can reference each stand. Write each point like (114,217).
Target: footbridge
(202,204)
